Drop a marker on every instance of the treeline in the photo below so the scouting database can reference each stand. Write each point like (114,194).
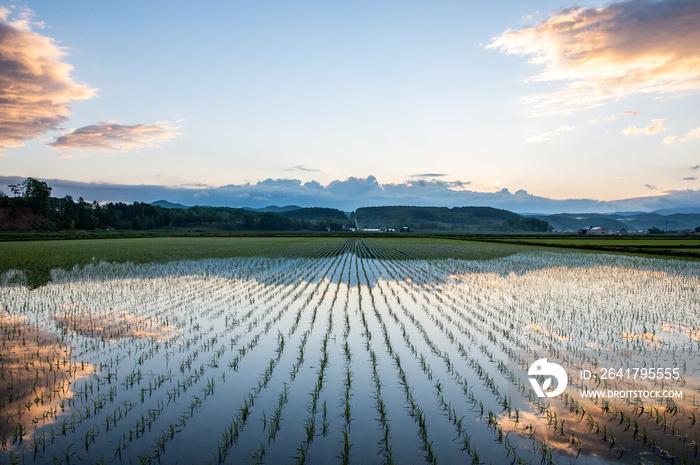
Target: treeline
(32,197)
(447,219)
(69,214)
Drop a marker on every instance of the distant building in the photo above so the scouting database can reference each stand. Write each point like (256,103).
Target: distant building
(593,231)
(601,231)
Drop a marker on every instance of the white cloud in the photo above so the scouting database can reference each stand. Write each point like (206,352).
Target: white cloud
(670,139)
(655,126)
(604,54)
(693,134)
(541,137)
(611,118)
(546,136)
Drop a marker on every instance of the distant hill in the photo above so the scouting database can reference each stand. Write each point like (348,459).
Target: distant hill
(670,211)
(443,218)
(274,208)
(166,204)
(314,214)
(628,221)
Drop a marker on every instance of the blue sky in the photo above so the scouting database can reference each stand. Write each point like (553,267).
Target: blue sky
(565,100)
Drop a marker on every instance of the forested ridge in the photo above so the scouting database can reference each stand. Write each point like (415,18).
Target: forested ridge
(444,218)
(32,208)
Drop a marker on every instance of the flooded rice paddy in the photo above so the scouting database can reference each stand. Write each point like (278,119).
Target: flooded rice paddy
(359,354)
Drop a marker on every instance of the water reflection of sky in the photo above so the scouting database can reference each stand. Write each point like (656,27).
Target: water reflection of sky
(39,376)
(165,325)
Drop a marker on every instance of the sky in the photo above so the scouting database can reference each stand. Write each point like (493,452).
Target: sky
(359,103)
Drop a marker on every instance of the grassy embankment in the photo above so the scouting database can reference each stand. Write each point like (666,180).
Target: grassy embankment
(42,250)
(39,253)
(687,247)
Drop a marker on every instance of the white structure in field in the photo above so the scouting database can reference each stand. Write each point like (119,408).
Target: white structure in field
(601,231)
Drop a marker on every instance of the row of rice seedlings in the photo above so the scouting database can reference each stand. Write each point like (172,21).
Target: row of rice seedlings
(208,389)
(610,438)
(324,360)
(110,375)
(191,380)
(415,411)
(314,249)
(344,455)
(268,374)
(484,375)
(448,410)
(153,413)
(385,448)
(310,423)
(231,433)
(340,247)
(107,423)
(500,363)
(276,418)
(456,420)
(385,252)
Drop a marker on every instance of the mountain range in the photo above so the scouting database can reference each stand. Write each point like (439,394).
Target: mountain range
(627,221)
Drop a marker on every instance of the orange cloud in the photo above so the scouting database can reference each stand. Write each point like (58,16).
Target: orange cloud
(71,155)
(114,137)
(611,118)
(608,53)
(655,126)
(36,87)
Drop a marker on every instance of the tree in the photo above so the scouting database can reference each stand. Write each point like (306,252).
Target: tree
(36,194)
